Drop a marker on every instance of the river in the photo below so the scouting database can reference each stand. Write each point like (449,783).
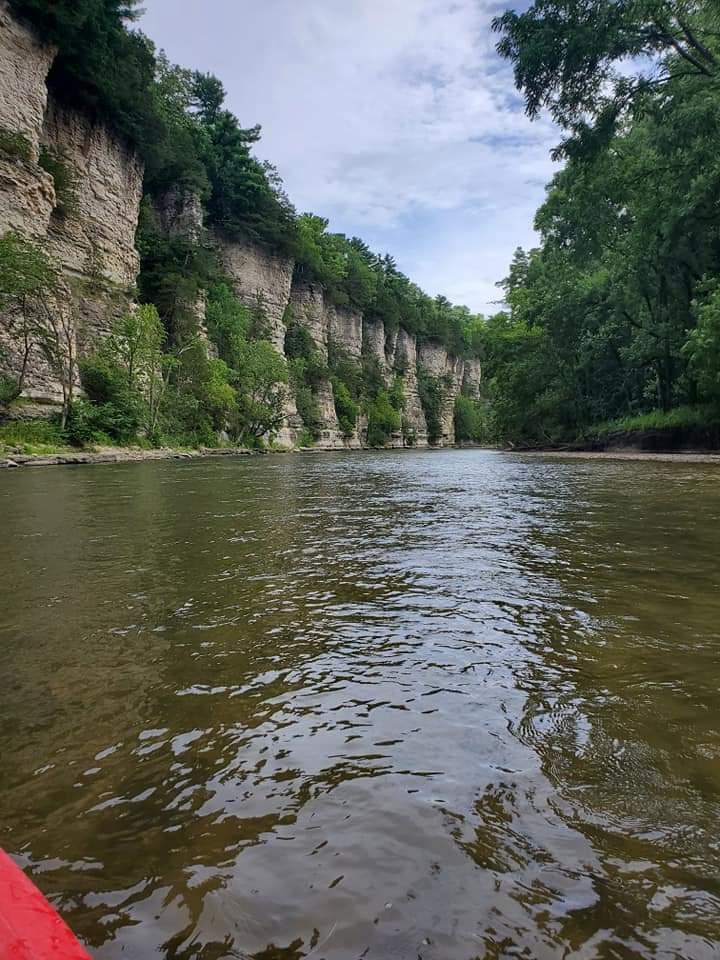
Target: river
(445,705)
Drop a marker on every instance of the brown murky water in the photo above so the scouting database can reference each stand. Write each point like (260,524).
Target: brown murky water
(436,705)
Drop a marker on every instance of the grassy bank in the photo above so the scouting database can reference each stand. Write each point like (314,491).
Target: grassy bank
(32,437)
(41,441)
(682,428)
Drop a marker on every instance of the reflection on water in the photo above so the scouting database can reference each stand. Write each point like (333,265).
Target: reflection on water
(437,705)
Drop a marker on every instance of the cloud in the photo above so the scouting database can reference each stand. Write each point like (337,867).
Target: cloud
(395,120)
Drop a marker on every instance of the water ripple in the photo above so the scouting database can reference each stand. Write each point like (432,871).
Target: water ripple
(435,705)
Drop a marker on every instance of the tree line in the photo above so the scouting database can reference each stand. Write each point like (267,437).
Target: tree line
(614,320)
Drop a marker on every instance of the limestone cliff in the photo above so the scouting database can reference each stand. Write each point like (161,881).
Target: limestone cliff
(264,281)
(180,213)
(71,183)
(88,226)
(434,361)
(406,360)
(331,328)
(94,242)
(27,196)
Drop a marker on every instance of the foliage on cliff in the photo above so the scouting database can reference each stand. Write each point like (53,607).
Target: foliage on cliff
(616,313)
(353,276)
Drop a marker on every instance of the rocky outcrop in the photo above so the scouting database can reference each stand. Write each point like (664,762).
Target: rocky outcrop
(95,237)
(373,344)
(405,361)
(264,281)
(27,196)
(91,233)
(24,67)
(472,377)
(331,328)
(345,330)
(180,213)
(261,281)
(72,185)
(434,361)
(307,306)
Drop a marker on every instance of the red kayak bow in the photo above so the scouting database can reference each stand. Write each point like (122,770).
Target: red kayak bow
(29,927)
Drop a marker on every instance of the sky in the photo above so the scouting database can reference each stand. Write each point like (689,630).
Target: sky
(394,119)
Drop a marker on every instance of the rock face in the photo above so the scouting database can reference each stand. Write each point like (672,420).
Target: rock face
(180,213)
(331,329)
(261,281)
(73,185)
(406,360)
(97,238)
(24,65)
(472,377)
(264,279)
(88,226)
(27,196)
(307,306)
(434,361)
(264,282)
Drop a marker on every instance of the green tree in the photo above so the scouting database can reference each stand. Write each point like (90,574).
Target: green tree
(571,58)
(261,381)
(39,316)
(703,346)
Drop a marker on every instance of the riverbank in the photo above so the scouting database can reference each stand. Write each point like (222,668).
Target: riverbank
(136,454)
(115,455)
(685,457)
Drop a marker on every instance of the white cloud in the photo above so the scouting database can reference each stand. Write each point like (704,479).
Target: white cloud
(393,118)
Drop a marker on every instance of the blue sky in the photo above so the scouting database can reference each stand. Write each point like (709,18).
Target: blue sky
(395,119)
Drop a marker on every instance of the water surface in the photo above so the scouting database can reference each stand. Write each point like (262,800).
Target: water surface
(439,705)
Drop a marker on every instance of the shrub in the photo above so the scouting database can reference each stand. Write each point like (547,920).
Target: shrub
(305,439)
(9,391)
(470,424)
(64,179)
(112,408)
(383,420)
(396,395)
(14,145)
(298,339)
(679,418)
(703,347)
(308,409)
(346,409)
(345,368)
(226,319)
(32,436)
